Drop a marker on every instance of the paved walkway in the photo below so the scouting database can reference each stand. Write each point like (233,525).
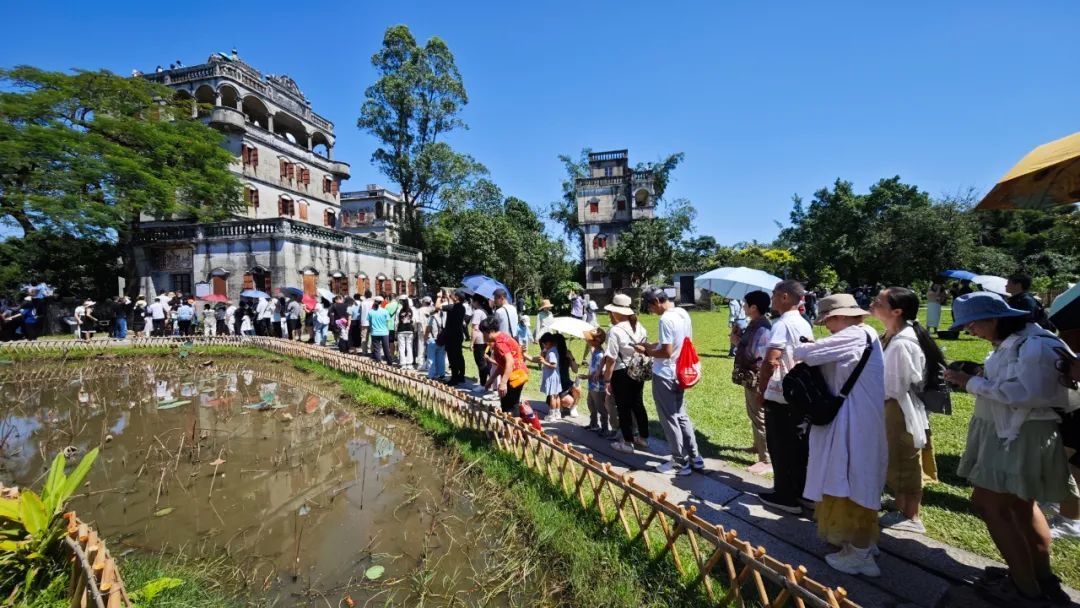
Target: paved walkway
(916,570)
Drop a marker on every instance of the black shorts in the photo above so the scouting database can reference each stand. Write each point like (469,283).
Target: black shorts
(509,401)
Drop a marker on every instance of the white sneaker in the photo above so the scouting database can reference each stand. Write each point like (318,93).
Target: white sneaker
(553,416)
(850,560)
(665,467)
(1063,527)
(909,525)
(573,412)
(622,446)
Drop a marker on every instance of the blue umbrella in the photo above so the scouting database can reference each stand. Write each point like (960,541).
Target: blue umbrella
(254,293)
(485,286)
(960,275)
(293,291)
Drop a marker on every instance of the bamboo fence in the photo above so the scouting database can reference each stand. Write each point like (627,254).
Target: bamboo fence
(95,577)
(731,571)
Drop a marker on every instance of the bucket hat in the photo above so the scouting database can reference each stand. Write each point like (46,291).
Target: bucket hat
(980,305)
(621,304)
(839,305)
(546,304)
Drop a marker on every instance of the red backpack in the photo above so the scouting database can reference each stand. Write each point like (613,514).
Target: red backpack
(688,366)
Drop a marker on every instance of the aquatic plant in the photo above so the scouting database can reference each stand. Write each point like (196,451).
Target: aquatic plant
(32,529)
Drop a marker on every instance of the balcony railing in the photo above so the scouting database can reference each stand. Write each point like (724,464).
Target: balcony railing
(275,227)
(609,155)
(247,77)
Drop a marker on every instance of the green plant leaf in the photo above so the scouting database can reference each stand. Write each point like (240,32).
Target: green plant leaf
(374,573)
(9,509)
(33,514)
(55,481)
(76,478)
(153,588)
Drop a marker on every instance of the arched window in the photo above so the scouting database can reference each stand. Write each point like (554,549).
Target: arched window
(303,206)
(599,241)
(594,205)
(251,195)
(339,284)
(362,284)
(257,278)
(286,206)
(219,284)
(412,288)
(329,219)
(399,286)
(382,284)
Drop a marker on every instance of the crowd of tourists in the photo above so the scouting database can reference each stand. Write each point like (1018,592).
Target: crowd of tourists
(836,461)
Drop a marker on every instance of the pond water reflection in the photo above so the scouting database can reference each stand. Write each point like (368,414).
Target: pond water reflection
(263,463)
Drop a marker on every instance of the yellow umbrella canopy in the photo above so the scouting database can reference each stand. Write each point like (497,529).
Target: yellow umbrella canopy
(1048,176)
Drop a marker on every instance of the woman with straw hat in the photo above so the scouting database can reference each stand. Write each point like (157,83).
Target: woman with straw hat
(626,333)
(544,317)
(845,473)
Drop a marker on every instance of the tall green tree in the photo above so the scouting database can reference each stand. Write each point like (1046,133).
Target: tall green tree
(411,108)
(90,154)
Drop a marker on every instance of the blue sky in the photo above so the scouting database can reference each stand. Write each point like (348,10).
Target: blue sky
(766,99)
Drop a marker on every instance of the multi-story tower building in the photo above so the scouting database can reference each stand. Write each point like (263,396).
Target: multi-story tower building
(288,232)
(376,212)
(608,200)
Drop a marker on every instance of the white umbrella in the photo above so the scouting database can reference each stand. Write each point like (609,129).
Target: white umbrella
(326,294)
(734,283)
(992,283)
(569,326)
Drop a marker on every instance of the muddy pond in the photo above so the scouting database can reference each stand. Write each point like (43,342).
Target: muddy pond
(298,497)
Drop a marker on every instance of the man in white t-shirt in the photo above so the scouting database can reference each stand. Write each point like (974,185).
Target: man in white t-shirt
(505,312)
(365,324)
(669,398)
(157,313)
(786,431)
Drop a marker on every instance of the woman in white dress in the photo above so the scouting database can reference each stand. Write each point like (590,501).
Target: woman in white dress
(846,469)
(935,297)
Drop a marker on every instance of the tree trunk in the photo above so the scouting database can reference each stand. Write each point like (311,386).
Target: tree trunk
(126,241)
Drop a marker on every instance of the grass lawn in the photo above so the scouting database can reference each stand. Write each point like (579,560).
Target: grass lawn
(717,409)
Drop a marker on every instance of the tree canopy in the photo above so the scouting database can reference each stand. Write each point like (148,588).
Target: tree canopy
(647,251)
(897,234)
(88,154)
(488,233)
(413,105)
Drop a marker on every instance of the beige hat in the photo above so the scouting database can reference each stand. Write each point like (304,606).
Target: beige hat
(89,303)
(838,305)
(621,304)
(546,304)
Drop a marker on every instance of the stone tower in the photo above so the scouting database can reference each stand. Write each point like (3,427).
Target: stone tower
(608,201)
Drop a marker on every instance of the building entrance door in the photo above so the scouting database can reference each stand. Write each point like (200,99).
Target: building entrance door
(686,289)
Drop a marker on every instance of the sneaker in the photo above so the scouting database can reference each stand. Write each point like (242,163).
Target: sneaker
(552,416)
(684,471)
(890,519)
(914,526)
(612,434)
(1062,527)
(622,446)
(854,561)
(573,412)
(666,467)
(770,499)
(593,428)
(641,443)
(698,463)
(760,468)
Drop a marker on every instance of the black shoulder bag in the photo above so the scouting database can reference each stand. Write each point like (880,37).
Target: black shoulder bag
(805,388)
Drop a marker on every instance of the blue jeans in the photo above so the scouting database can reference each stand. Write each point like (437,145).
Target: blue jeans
(320,333)
(436,360)
(121,329)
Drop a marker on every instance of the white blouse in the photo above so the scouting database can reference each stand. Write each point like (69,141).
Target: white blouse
(905,366)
